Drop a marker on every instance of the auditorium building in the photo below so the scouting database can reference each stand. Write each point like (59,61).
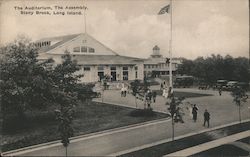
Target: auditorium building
(97,60)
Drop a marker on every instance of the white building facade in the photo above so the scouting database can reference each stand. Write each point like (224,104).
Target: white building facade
(96,59)
(156,65)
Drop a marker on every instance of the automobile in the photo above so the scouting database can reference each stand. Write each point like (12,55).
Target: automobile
(231,85)
(183,81)
(221,84)
(203,86)
(243,85)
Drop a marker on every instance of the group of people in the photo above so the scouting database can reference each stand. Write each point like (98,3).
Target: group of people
(166,92)
(206,115)
(124,92)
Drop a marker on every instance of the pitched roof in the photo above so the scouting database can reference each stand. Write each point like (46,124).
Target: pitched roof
(101,59)
(102,44)
(63,39)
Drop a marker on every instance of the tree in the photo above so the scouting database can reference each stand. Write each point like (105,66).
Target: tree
(66,79)
(85,92)
(25,83)
(65,117)
(28,83)
(241,71)
(239,96)
(186,67)
(136,90)
(65,74)
(175,110)
(217,67)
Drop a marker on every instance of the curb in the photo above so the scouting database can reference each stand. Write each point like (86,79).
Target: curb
(82,137)
(128,106)
(170,139)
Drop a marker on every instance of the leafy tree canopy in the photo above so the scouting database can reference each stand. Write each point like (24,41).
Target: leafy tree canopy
(27,83)
(216,67)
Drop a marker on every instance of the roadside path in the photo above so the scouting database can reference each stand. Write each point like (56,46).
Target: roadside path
(222,111)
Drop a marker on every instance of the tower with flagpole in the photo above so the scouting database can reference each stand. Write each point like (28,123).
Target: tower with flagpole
(169,9)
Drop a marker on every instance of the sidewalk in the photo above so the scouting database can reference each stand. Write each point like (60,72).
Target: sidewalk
(193,143)
(218,106)
(209,145)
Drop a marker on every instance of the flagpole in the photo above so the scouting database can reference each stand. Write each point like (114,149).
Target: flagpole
(85,25)
(170,47)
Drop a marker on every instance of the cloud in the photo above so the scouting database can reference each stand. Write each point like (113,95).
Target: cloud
(200,28)
(135,36)
(222,34)
(217,34)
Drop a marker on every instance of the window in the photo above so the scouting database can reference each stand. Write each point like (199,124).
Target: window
(83,49)
(124,68)
(136,72)
(100,68)
(125,73)
(76,49)
(112,68)
(91,50)
(86,68)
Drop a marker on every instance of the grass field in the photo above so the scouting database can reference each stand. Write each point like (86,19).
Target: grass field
(90,117)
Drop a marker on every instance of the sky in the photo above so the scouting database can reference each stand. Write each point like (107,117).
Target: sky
(133,28)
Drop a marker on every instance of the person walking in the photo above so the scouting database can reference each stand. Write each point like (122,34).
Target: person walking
(194,112)
(149,95)
(220,91)
(154,96)
(206,118)
(125,92)
(122,92)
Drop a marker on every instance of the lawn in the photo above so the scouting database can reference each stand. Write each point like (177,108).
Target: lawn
(184,94)
(89,117)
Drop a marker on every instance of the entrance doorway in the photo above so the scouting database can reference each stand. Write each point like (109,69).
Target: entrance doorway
(100,75)
(125,75)
(113,76)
